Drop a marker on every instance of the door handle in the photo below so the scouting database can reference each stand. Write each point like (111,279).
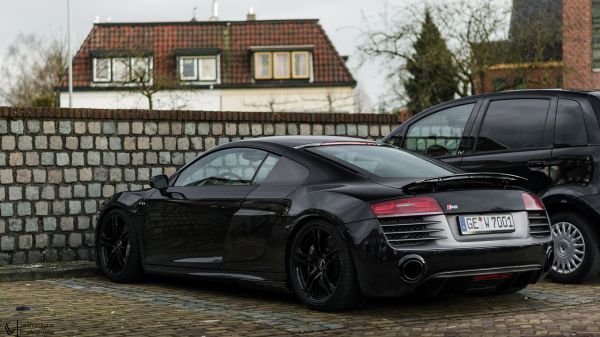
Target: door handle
(536,164)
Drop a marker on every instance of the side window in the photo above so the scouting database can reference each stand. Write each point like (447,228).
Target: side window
(265,168)
(513,124)
(235,166)
(570,126)
(439,134)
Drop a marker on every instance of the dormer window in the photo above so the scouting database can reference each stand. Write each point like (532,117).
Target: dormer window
(198,66)
(110,68)
(282,64)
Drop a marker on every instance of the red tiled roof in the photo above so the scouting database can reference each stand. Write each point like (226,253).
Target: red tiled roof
(232,38)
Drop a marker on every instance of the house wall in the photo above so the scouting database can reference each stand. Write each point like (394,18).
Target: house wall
(524,76)
(321,99)
(58,166)
(577,46)
(122,99)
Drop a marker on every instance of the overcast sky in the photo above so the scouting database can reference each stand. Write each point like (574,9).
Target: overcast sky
(340,18)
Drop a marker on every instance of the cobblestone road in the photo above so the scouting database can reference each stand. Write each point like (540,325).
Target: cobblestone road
(167,307)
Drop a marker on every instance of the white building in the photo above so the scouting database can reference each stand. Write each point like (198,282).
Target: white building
(266,65)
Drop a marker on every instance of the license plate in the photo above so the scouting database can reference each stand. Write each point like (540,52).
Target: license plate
(486,224)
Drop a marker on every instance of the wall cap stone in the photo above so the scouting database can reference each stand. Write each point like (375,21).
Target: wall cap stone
(196,116)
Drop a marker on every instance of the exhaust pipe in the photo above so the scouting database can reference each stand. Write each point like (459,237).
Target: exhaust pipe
(412,268)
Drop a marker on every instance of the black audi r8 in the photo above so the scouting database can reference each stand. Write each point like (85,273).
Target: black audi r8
(333,219)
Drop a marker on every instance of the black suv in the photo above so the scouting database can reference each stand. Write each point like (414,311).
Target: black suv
(550,137)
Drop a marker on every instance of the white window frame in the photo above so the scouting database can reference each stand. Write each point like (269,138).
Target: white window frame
(197,78)
(256,65)
(95,77)
(307,64)
(116,62)
(188,78)
(132,63)
(130,70)
(288,73)
(215,59)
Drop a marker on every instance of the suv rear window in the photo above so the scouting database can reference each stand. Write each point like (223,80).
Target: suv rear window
(512,124)
(570,126)
(383,161)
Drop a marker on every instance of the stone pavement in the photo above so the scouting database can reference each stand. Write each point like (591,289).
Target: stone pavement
(169,307)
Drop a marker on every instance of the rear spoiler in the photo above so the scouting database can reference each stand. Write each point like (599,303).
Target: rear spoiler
(466,179)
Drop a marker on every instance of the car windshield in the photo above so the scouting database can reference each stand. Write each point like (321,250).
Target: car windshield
(383,161)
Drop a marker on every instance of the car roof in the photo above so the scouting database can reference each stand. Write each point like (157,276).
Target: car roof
(534,92)
(298,141)
(516,92)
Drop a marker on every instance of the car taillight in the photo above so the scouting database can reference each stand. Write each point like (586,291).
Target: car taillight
(532,202)
(406,207)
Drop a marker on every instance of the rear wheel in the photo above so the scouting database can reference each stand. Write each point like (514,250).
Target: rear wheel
(321,269)
(576,250)
(118,248)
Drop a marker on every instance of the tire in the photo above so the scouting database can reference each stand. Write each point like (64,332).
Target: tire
(118,248)
(323,276)
(570,229)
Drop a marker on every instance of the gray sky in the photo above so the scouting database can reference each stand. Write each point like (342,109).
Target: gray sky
(340,18)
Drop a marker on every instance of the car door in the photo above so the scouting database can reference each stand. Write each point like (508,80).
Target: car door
(258,230)
(572,156)
(187,224)
(440,133)
(513,135)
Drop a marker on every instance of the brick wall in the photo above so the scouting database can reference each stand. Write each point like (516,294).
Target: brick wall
(531,76)
(57,166)
(577,45)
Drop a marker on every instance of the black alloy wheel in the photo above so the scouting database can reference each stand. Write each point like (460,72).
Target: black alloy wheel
(118,249)
(321,269)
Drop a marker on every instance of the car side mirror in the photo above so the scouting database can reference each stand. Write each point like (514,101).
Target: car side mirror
(160,182)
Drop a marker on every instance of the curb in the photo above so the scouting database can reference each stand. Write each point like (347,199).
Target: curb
(40,271)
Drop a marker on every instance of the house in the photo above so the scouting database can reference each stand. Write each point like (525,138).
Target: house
(252,65)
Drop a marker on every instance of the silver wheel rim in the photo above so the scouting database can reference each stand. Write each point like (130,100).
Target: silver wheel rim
(569,248)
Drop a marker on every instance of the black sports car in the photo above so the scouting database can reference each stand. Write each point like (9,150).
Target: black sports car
(333,219)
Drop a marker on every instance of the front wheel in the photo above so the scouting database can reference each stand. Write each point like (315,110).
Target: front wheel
(321,269)
(576,249)
(118,248)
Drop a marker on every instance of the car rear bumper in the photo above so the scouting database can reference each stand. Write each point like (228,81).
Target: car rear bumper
(382,270)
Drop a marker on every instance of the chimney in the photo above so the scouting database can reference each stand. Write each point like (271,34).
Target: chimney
(215,11)
(251,16)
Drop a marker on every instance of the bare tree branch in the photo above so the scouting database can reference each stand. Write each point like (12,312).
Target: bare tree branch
(32,69)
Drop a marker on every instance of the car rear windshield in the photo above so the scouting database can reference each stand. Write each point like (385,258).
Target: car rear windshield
(383,161)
